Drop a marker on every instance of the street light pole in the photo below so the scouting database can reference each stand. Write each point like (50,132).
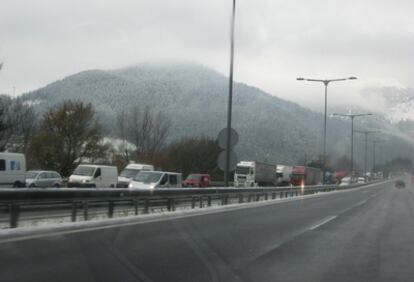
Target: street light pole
(325,82)
(374,143)
(366,148)
(352,117)
(230,101)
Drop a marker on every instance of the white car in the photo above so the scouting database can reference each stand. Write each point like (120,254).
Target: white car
(43,178)
(360,180)
(345,181)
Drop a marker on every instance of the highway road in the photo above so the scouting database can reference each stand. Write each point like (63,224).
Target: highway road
(364,234)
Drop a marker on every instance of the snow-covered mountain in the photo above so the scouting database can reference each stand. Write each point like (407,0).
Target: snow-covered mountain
(396,104)
(195,100)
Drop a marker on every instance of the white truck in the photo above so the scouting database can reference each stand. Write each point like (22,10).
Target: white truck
(252,174)
(99,176)
(129,172)
(12,170)
(283,173)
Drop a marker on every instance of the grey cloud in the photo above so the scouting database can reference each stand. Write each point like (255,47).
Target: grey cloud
(45,40)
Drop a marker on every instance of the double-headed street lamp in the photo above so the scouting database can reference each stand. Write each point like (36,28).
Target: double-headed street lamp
(352,116)
(325,82)
(366,132)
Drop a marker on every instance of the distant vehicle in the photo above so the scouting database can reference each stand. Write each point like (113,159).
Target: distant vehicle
(43,178)
(12,170)
(197,180)
(339,175)
(129,172)
(251,173)
(303,175)
(345,181)
(360,180)
(283,173)
(156,179)
(399,184)
(94,176)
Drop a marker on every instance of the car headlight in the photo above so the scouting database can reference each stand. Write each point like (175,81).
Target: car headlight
(85,180)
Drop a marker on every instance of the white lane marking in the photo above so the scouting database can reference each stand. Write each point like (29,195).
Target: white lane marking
(360,203)
(73,228)
(323,222)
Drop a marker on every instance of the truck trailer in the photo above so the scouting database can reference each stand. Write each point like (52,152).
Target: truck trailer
(252,174)
(304,175)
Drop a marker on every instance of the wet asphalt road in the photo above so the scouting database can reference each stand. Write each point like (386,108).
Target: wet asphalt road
(359,235)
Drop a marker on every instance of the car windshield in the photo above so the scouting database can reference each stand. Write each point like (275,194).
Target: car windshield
(129,173)
(148,176)
(193,177)
(84,170)
(32,174)
(206,140)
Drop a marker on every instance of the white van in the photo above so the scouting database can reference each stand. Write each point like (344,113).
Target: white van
(12,170)
(129,172)
(156,179)
(94,176)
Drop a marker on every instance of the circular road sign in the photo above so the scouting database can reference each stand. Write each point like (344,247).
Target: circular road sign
(222,138)
(221,160)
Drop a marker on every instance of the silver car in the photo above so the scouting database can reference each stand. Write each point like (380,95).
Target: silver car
(43,178)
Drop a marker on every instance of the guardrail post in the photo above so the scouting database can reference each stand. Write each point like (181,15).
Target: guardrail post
(136,206)
(209,201)
(85,210)
(273,195)
(74,211)
(169,204)
(257,197)
(173,204)
(146,207)
(240,198)
(201,202)
(192,202)
(14,215)
(265,196)
(111,206)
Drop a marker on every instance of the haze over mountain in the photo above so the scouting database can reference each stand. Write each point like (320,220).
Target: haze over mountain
(194,98)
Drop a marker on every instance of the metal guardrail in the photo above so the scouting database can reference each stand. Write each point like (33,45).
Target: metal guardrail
(80,203)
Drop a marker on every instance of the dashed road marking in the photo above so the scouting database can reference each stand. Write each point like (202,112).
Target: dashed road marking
(323,222)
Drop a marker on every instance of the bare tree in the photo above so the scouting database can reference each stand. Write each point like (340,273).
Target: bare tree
(160,132)
(25,121)
(122,119)
(147,131)
(6,130)
(18,122)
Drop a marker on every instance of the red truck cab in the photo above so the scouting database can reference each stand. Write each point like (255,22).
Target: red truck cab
(197,180)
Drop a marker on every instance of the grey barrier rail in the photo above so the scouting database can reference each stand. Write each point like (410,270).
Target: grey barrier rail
(82,202)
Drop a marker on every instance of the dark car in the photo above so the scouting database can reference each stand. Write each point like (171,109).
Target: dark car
(399,184)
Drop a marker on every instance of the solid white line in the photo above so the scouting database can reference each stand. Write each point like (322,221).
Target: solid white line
(19,234)
(323,222)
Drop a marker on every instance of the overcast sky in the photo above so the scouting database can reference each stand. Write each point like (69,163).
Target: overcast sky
(276,41)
